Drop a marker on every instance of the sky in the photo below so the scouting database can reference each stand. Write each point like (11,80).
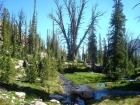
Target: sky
(46,6)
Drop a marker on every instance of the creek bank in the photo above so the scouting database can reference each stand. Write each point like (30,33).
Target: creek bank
(69,86)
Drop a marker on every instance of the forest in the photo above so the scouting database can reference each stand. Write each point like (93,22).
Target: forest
(28,61)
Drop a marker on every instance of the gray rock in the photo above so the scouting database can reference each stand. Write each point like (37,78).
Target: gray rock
(57,97)
(83,91)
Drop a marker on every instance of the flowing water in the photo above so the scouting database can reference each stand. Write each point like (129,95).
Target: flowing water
(97,93)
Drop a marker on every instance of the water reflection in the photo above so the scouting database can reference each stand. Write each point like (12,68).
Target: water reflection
(101,84)
(99,93)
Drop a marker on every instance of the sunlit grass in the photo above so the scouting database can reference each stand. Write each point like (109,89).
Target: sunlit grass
(87,78)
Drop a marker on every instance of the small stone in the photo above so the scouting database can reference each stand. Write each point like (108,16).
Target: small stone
(55,101)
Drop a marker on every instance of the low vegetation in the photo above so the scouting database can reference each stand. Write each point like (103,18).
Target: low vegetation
(116,100)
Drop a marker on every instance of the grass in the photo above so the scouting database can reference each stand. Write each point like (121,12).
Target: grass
(87,78)
(116,100)
(33,91)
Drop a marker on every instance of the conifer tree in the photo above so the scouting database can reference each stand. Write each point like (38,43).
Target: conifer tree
(31,72)
(116,46)
(33,32)
(92,42)
(92,47)
(6,38)
(13,36)
(100,55)
(34,27)
(104,53)
(7,69)
(31,39)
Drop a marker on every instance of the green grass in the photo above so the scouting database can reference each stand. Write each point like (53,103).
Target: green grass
(87,78)
(33,91)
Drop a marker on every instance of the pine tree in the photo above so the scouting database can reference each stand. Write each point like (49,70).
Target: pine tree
(6,38)
(31,39)
(33,32)
(34,27)
(7,69)
(92,47)
(104,53)
(13,33)
(100,55)
(31,72)
(116,46)
(25,50)
(49,69)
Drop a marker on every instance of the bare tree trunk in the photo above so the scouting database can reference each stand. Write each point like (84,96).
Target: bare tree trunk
(75,18)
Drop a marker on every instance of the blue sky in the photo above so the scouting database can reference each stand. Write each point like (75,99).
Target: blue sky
(46,6)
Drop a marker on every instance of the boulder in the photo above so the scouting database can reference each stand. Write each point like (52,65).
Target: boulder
(54,101)
(20,94)
(83,91)
(20,63)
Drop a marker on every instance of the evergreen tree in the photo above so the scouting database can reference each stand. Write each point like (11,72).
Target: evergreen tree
(104,53)
(49,68)
(13,36)
(31,39)
(100,55)
(6,38)
(7,69)
(25,50)
(31,72)
(33,32)
(92,47)
(34,27)
(116,45)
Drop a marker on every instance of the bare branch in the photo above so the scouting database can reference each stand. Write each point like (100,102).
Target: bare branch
(136,5)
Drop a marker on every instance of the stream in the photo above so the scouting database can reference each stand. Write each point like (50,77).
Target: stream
(68,86)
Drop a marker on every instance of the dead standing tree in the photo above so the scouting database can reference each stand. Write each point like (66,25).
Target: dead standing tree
(75,14)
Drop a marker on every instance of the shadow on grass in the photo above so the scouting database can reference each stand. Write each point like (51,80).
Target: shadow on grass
(115,100)
(135,86)
(74,69)
(30,92)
